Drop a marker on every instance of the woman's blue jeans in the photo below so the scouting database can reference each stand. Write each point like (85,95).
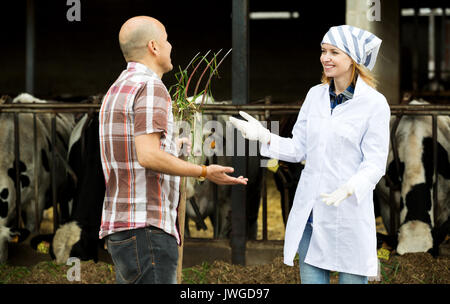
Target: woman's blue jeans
(313,275)
(144,256)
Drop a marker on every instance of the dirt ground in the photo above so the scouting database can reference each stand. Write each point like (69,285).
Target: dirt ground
(413,268)
(417,268)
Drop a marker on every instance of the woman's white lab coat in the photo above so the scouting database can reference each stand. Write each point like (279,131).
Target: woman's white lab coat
(353,141)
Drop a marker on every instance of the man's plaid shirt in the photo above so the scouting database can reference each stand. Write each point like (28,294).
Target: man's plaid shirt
(137,103)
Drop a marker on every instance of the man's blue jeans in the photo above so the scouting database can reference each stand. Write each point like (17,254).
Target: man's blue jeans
(144,256)
(313,275)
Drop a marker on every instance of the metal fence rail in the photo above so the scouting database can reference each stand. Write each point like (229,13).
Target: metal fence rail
(227,109)
(265,110)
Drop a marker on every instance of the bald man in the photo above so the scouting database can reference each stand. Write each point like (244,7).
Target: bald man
(140,162)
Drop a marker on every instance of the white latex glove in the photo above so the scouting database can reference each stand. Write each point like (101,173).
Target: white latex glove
(340,194)
(251,129)
(187,142)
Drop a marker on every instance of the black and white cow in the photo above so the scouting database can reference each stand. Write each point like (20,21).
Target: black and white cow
(209,146)
(415,178)
(79,236)
(208,137)
(64,125)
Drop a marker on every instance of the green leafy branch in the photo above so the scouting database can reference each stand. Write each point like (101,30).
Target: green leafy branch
(184,107)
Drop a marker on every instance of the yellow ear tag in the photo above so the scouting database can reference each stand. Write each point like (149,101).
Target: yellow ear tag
(272,165)
(383,253)
(14,239)
(43,247)
(213,144)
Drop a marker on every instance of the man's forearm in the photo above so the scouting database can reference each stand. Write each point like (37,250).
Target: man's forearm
(161,161)
(152,157)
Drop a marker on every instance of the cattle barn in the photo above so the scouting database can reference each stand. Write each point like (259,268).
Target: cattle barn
(68,53)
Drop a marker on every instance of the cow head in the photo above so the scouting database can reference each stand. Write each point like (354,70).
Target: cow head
(414,236)
(199,132)
(416,180)
(7,197)
(415,200)
(7,203)
(65,238)
(5,236)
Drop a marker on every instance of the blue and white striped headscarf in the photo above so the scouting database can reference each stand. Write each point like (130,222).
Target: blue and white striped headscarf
(359,44)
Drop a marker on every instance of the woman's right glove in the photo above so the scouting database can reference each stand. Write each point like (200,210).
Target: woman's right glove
(251,129)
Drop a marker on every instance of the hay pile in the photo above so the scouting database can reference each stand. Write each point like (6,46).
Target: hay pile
(412,268)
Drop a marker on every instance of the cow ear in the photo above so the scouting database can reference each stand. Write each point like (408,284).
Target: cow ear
(24,233)
(21,234)
(34,242)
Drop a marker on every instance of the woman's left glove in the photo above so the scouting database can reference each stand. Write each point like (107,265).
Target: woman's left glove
(340,194)
(251,129)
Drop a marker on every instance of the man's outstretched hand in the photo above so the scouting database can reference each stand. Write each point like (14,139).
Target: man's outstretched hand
(219,175)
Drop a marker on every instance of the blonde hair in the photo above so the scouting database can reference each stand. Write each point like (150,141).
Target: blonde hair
(357,69)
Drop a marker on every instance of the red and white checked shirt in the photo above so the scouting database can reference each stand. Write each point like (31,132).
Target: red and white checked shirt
(137,103)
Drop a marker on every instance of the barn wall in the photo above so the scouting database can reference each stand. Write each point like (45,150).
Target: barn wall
(387,68)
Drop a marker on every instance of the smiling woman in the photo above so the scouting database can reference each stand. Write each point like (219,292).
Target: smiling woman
(335,61)
(337,65)
(342,132)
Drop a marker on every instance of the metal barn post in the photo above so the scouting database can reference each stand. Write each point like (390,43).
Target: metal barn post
(36,175)
(181,223)
(440,49)
(240,84)
(17,169)
(267,101)
(415,57)
(29,52)
(53,175)
(434,133)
